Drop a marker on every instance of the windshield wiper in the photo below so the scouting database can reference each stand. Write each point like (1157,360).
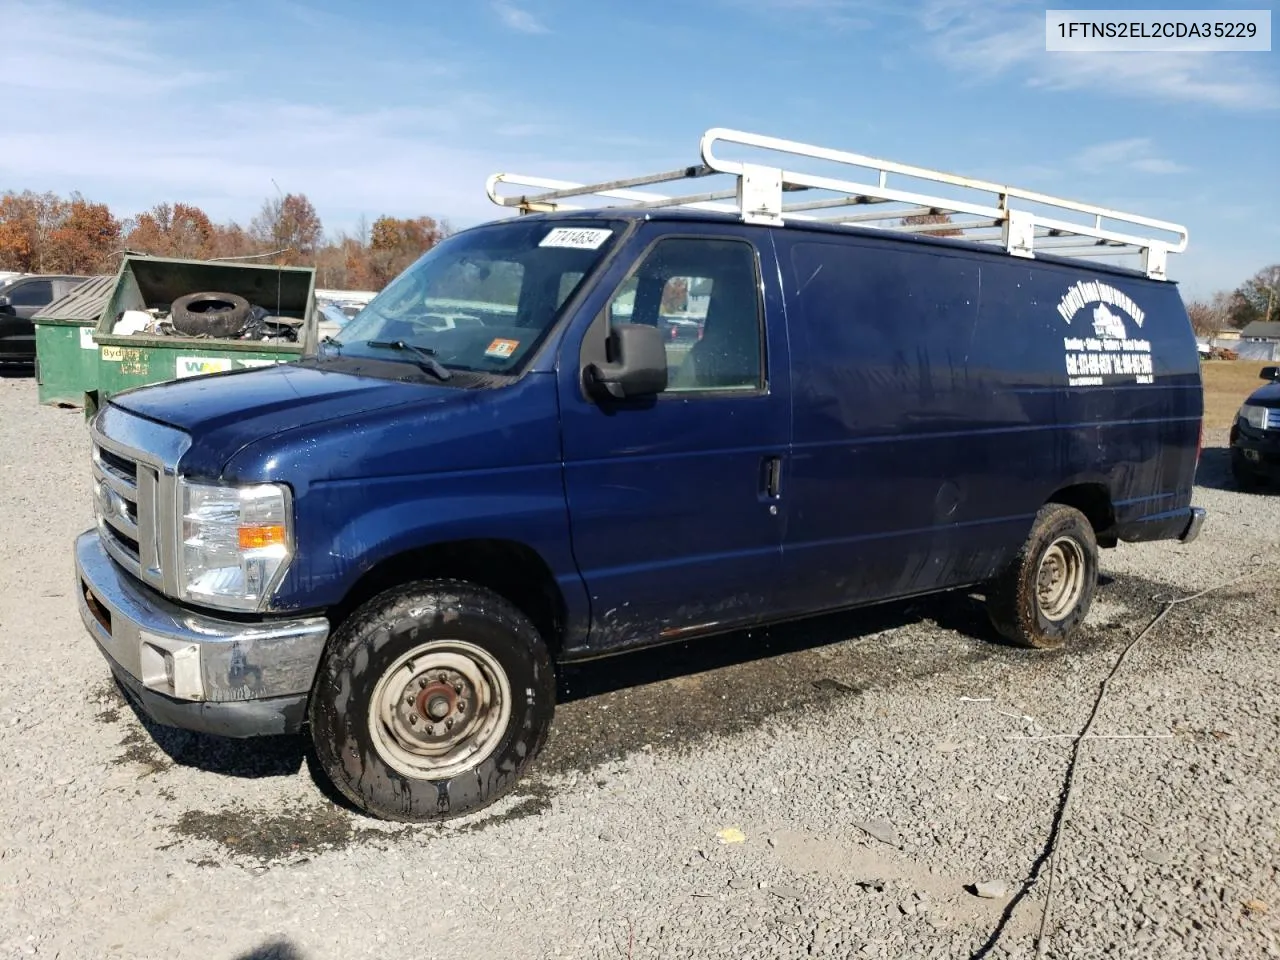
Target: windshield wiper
(426,356)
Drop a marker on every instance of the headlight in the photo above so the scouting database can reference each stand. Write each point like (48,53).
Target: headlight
(1254,416)
(236,543)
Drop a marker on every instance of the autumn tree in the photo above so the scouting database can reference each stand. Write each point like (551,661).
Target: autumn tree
(675,295)
(42,233)
(177,230)
(289,224)
(922,219)
(396,243)
(343,264)
(24,219)
(85,237)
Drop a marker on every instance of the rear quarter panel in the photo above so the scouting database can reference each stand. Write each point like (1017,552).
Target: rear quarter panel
(940,401)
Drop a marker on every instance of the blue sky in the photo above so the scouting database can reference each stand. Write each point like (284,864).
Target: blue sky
(405,108)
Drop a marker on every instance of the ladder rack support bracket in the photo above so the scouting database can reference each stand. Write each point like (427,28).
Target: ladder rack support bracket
(1155,260)
(1019,233)
(760,194)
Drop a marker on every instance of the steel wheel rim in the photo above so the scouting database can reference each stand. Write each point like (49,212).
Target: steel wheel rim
(1060,579)
(439,710)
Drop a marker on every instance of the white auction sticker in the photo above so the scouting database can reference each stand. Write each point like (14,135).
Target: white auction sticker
(576,237)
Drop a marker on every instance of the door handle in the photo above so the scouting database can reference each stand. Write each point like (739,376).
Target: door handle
(772,476)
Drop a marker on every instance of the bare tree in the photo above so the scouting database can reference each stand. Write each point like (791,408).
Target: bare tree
(289,223)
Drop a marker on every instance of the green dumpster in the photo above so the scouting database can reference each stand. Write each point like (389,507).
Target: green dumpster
(66,354)
(128,360)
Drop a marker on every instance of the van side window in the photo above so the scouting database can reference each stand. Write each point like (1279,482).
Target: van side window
(703,295)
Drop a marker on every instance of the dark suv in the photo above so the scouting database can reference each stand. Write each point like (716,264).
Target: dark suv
(1255,436)
(20,299)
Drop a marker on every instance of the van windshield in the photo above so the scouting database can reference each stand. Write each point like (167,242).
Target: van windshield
(481,300)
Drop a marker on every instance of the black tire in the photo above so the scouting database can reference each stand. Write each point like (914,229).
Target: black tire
(366,760)
(1245,477)
(1060,538)
(210,314)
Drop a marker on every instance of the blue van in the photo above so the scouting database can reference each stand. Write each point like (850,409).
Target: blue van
(392,543)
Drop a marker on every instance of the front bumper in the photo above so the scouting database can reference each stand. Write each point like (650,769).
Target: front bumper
(1259,450)
(191,670)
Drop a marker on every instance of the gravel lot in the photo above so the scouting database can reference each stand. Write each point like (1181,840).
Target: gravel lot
(875,764)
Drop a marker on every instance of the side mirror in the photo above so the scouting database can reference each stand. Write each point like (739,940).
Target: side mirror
(6,305)
(1267,373)
(637,364)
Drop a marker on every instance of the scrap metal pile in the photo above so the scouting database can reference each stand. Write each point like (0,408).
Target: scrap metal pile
(210,314)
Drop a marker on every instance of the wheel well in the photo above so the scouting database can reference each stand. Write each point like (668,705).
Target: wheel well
(510,569)
(1093,500)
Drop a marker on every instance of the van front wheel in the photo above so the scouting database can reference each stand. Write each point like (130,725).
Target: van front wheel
(431,701)
(1041,598)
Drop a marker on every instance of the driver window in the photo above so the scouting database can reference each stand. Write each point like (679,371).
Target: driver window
(703,296)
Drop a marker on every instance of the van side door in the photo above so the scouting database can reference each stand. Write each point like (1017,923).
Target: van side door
(902,479)
(674,506)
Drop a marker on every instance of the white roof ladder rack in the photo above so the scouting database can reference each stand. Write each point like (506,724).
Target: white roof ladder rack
(990,212)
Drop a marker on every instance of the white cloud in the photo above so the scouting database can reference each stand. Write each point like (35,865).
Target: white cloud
(1005,39)
(518,19)
(1158,165)
(136,126)
(1133,153)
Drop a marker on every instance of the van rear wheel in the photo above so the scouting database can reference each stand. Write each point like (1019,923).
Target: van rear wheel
(1043,596)
(431,701)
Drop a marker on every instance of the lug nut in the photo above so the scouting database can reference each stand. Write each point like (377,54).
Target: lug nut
(448,724)
(413,719)
(462,706)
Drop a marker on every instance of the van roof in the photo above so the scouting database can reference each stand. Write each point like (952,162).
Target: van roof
(883,236)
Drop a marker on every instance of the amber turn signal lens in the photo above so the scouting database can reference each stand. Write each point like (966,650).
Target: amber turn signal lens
(264,535)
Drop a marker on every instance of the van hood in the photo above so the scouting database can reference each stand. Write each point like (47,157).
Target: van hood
(224,412)
(1268,396)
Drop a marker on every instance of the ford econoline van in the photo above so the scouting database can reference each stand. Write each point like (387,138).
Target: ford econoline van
(392,543)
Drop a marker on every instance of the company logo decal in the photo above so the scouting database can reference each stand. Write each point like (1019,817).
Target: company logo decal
(1109,349)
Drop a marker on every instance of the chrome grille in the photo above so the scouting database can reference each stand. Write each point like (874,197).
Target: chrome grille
(125,507)
(1273,419)
(134,485)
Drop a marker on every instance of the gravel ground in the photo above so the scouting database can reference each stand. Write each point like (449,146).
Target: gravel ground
(869,768)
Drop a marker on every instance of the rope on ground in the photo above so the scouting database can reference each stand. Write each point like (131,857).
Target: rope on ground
(1055,840)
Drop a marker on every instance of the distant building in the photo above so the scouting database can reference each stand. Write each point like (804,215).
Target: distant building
(1261,331)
